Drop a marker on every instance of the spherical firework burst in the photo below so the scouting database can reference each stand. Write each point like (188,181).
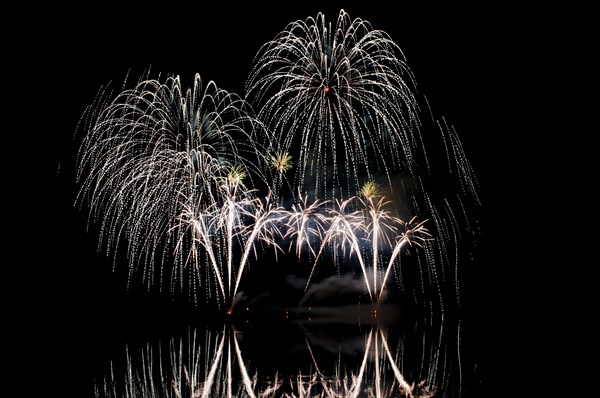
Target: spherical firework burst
(342,96)
(156,150)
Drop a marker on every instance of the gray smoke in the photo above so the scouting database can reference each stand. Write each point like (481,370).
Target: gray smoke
(334,285)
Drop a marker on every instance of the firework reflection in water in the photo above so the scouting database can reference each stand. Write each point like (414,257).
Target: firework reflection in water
(427,362)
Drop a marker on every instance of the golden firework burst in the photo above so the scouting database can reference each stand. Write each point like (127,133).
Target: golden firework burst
(236,175)
(281,161)
(370,190)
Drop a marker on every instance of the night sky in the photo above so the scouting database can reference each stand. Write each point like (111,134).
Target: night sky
(504,78)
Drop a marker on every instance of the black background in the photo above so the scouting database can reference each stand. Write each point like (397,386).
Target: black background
(510,80)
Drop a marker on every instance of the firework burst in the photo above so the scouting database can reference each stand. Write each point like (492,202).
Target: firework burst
(341,99)
(154,152)
(281,161)
(215,363)
(191,182)
(340,94)
(362,227)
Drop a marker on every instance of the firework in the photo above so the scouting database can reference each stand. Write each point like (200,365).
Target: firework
(305,224)
(342,97)
(153,153)
(192,182)
(207,363)
(240,222)
(370,232)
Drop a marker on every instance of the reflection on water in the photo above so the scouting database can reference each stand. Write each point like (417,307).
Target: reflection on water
(297,358)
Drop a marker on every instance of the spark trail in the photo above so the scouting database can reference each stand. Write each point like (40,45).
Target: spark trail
(341,97)
(154,153)
(371,233)
(190,182)
(341,100)
(209,363)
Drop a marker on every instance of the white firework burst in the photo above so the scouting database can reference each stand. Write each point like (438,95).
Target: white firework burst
(152,153)
(342,96)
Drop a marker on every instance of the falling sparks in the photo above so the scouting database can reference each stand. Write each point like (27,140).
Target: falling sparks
(154,153)
(343,94)
(189,183)
(212,364)
(367,233)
